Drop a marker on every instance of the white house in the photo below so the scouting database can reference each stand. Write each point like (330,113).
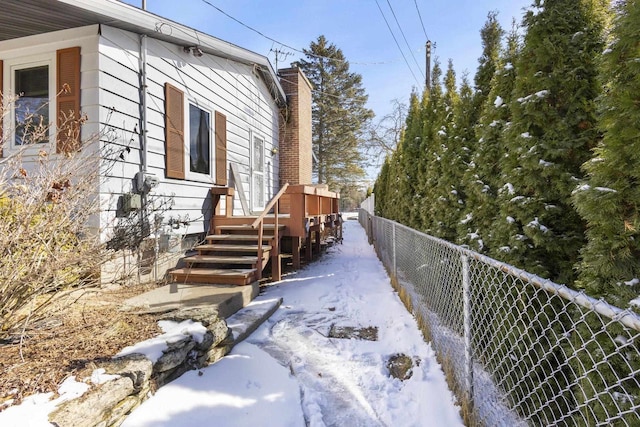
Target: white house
(191,108)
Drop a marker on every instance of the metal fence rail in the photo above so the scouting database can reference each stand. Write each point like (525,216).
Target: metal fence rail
(519,349)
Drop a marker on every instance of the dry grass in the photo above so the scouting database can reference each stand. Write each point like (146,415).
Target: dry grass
(79,331)
(467,412)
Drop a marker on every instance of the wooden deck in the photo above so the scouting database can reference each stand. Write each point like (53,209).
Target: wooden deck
(238,248)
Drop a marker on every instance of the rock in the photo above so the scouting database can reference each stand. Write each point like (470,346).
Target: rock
(122,409)
(220,331)
(204,315)
(135,366)
(217,353)
(94,407)
(175,355)
(400,366)
(370,333)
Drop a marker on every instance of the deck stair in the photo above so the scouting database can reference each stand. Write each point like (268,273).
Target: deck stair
(237,252)
(230,257)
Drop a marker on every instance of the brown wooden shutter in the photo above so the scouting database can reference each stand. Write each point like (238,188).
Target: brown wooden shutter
(68,99)
(174,131)
(221,148)
(1,106)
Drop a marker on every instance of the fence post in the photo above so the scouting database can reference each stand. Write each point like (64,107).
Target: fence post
(370,228)
(466,307)
(393,245)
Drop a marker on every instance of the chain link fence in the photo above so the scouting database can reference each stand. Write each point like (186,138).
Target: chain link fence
(517,349)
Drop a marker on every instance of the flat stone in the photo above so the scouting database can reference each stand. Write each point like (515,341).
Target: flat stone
(369,333)
(205,315)
(176,355)
(135,366)
(243,323)
(94,407)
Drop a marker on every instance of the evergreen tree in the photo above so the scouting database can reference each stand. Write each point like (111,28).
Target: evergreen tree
(443,206)
(491,36)
(429,167)
(552,133)
(408,152)
(610,199)
(338,114)
(482,171)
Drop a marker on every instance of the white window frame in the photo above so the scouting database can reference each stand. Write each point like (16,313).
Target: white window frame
(254,190)
(10,68)
(188,174)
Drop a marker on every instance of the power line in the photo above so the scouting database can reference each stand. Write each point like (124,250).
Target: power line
(404,37)
(421,22)
(284,44)
(397,44)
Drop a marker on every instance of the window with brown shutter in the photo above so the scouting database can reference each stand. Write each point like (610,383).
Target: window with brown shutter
(68,100)
(174,131)
(221,148)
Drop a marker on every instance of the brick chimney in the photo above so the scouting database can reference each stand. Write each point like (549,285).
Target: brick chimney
(295,128)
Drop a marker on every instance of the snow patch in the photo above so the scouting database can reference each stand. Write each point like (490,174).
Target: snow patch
(498,102)
(467,218)
(544,163)
(155,347)
(509,187)
(605,189)
(536,224)
(511,219)
(632,282)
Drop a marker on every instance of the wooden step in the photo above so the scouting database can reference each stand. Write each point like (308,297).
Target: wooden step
(236,238)
(214,276)
(218,259)
(231,248)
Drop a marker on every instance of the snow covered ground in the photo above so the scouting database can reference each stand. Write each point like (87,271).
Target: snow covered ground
(291,373)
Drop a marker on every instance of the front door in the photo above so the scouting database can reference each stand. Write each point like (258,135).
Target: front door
(257,176)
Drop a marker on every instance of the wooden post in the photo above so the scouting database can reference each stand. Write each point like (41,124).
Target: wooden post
(276,273)
(295,247)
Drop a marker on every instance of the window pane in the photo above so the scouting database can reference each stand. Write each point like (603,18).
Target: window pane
(258,185)
(199,144)
(32,106)
(258,155)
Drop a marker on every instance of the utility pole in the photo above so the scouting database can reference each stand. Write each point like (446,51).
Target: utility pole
(428,68)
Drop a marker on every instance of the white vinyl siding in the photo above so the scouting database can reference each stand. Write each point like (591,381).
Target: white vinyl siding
(225,86)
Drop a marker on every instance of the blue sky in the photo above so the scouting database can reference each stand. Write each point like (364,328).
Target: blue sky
(359,29)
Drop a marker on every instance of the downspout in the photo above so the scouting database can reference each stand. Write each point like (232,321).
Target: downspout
(144,150)
(143,102)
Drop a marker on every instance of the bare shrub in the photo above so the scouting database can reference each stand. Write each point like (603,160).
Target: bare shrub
(49,236)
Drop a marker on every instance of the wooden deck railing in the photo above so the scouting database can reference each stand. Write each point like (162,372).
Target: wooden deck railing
(258,223)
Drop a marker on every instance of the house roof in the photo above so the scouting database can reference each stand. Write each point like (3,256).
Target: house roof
(21,18)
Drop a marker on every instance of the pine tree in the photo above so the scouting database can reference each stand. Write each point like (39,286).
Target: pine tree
(551,135)
(338,114)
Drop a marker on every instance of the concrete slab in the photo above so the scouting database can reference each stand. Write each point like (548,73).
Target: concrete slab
(227,299)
